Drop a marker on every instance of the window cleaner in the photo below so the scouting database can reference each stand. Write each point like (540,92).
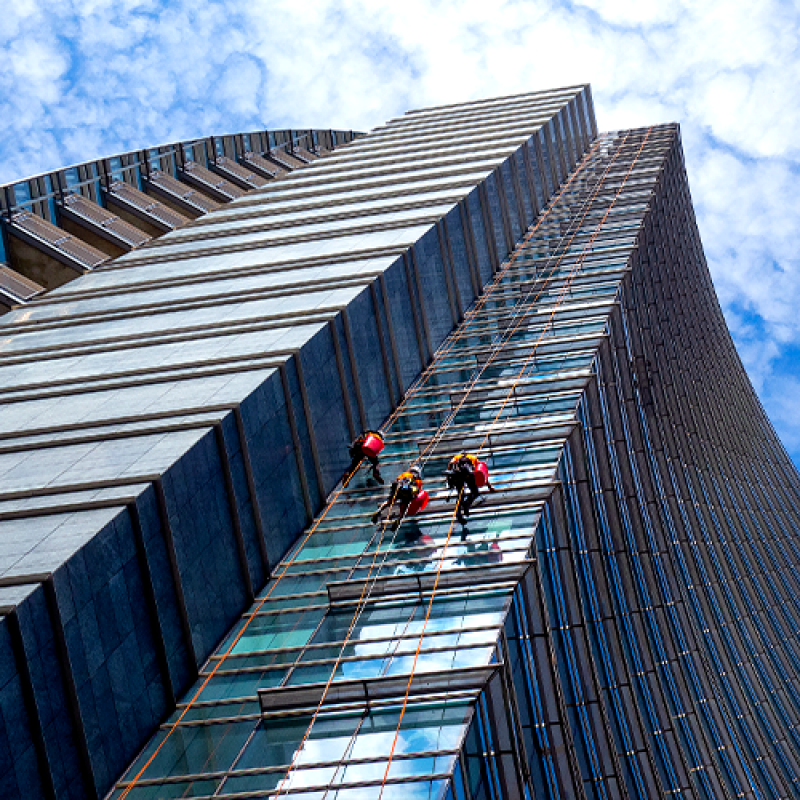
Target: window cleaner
(466,473)
(366,447)
(406,494)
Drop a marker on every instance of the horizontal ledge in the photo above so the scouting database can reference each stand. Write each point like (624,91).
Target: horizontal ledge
(211,330)
(154,256)
(87,387)
(341,593)
(121,420)
(71,508)
(140,374)
(36,442)
(72,488)
(24,580)
(364,692)
(232,297)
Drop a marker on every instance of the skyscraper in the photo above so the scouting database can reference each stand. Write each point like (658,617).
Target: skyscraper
(618,619)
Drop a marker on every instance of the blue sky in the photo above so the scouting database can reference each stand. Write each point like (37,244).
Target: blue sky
(91,78)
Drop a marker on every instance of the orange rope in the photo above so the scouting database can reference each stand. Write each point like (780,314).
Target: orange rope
(566,288)
(360,605)
(417,385)
(362,601)
(412,390)
(419,644)
(508,395)
(441,354)
(513,329)
(486,294)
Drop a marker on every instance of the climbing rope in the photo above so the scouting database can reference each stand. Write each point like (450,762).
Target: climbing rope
(565,290)
(173,727)
(497,282)
(486,296)
(441,561)
(360,606)
(419,644)
(368,586)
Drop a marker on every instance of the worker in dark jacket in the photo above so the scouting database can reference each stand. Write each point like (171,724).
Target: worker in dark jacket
(366,446)
(406,487)
(462,474)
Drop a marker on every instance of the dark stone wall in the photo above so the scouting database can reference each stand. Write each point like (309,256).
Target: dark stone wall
(675,534)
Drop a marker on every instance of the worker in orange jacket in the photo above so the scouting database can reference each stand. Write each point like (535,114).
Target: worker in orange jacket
(461,476)
(404,490)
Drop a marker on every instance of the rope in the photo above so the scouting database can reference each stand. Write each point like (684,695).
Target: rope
(485,297)
(442,353)
(441,561)
(360,606)
(419,645)
(362,602)
(566,286)
(354,622)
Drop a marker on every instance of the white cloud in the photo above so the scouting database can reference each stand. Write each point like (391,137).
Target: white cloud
(84,79)
(630,13)
(238,87)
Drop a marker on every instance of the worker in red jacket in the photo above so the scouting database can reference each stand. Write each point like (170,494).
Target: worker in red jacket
(406,488)
(366,447)
(465,473)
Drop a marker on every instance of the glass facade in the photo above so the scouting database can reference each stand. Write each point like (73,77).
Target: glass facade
(575,638)
(57,226)
(428,633)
